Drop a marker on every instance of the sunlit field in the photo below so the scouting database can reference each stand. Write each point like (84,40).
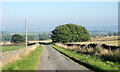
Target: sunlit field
(104,47)
(109,40)
(11,48)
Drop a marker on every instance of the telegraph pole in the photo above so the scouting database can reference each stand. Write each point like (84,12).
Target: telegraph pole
(26,31)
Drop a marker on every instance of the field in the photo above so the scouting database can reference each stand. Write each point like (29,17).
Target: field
(11,48)
(42,41)
(109,40)
(106,48)
(111,43)
(104,38)
(95,59)
(5,43)
(30,62)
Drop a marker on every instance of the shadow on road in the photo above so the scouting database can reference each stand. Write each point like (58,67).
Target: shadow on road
(45,43)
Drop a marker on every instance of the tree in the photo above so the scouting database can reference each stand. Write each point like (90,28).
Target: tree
(115,34)
(42,37)
(16,38)
(70,33)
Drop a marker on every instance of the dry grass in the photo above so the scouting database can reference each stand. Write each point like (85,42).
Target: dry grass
(111,43)
(5,43)
(110,55)
(107,54)
(43,41)
(109,40)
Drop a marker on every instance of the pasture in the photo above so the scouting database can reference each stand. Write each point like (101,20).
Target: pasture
(111,43)
(42,41)
(108,40)
(11,48)
(104,47)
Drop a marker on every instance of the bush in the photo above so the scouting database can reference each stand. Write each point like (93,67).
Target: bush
(70,33)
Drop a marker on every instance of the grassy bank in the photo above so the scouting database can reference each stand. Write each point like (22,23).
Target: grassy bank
(92,62)
(11,48)
(30,62)
(106,52)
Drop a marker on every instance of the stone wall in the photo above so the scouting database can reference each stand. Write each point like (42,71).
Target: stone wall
(11,56)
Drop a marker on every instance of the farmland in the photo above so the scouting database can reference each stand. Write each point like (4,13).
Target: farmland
(112,43)
(96,59)
(103,56)
(109,40)
(60,36)
(11,48)
(105,49)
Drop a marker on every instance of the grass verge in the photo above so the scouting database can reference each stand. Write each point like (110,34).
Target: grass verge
(92,62)
(11,48)
(30,62)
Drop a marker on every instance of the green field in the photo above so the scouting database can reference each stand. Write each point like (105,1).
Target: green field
(92,62)
(11,48)
(30,62)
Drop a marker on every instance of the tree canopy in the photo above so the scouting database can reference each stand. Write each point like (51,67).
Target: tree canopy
(16,38)
(70,33)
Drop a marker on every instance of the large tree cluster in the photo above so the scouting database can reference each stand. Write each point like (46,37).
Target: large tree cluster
(70,33)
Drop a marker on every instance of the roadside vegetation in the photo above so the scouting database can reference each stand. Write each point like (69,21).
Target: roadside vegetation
(11,48)
(110,53)
(30,62)
(92,62)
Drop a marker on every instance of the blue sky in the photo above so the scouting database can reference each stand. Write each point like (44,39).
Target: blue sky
(45,16)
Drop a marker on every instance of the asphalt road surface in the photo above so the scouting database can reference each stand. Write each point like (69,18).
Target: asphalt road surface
(53,60)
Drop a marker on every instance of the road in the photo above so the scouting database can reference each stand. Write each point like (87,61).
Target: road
(53,60)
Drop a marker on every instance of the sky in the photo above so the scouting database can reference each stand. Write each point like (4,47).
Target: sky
(59,0)
(45,16)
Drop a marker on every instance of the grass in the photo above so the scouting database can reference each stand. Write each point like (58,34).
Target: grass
(92,62)
(11,48)
(41,41)
(111,43)
(109,40)
(106,54)
(30,62)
